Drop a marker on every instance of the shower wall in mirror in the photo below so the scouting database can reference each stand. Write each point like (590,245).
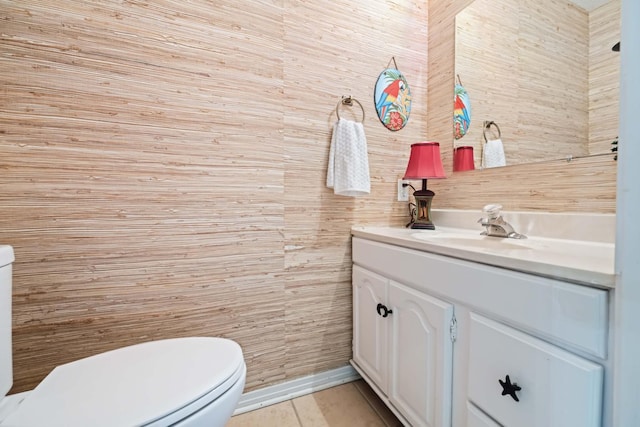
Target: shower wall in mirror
(544,71)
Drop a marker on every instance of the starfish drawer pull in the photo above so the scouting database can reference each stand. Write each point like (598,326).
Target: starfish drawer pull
(509,388)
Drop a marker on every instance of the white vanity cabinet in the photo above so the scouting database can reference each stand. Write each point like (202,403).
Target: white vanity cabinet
(402,345)
(549,336)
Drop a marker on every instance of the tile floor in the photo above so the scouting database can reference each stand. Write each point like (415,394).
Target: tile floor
(348,405)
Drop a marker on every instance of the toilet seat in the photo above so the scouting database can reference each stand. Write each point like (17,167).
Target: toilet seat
(156,383)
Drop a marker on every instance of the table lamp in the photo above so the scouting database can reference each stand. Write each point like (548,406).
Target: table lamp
(424,163)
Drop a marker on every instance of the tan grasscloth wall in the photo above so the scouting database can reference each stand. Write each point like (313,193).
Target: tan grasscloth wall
(162,169)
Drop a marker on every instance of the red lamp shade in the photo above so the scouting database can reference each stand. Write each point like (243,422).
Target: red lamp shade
(425,161)
(463,159)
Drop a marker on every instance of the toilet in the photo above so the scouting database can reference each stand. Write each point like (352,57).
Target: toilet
(185,382)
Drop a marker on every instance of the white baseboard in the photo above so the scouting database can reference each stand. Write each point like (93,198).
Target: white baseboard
(295,388)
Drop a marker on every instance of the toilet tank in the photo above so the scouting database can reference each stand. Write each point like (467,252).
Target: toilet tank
(6,362)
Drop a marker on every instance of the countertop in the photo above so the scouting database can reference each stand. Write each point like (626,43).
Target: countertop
(586,262)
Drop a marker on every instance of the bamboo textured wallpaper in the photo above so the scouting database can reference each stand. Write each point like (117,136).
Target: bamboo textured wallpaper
(163,167)
(604,63)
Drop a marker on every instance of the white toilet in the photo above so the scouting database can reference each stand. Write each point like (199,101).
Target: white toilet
(186,382)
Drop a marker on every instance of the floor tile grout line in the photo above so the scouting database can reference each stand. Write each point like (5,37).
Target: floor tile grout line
(295,411)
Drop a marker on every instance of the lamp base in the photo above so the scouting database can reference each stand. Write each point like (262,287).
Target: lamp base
(423,198)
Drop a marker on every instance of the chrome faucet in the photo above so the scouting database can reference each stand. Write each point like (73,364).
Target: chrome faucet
(495,225)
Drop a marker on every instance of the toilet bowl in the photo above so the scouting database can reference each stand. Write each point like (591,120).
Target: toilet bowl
(186,382)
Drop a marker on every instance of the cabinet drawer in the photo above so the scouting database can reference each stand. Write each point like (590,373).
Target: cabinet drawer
(558,389)
(476,418)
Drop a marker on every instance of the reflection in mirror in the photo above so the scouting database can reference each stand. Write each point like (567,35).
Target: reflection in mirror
(544,71)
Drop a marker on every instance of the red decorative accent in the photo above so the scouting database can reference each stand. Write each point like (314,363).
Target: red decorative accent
(463,159)
(396,122)
(425,161)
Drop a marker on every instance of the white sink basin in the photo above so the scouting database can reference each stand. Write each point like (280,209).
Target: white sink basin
(476,241)
(578,254)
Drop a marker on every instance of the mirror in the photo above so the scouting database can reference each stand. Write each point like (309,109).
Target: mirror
(543,72)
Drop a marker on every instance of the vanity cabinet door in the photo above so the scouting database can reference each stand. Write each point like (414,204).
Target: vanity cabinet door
(370,329)
(421,356)
(519,380)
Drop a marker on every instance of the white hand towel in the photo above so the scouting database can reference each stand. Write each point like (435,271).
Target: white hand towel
(348,170)
(493,154)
